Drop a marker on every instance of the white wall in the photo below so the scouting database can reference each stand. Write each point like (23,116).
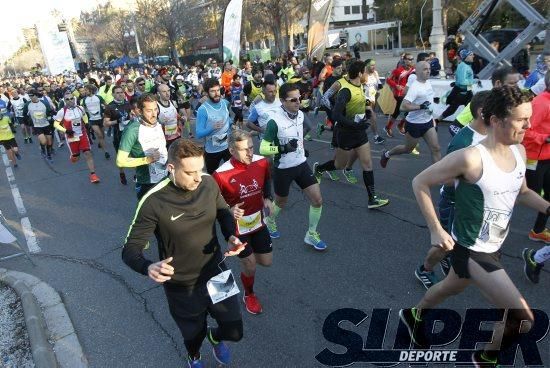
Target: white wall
(338,11)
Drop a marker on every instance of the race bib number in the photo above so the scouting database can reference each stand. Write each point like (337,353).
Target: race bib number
(249,223)
(123,124)
(170,129)
(304,103)
(219,140)
(531,164)
(38,115)
(222,286)
(237,103)
(74,138)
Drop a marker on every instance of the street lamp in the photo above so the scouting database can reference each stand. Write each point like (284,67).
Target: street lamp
(132,33)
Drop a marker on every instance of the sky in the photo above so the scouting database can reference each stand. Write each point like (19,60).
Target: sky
(18,14)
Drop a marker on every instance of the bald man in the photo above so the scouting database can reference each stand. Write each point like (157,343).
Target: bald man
(418,102)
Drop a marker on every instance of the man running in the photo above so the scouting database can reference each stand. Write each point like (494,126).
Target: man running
(470,135)
(419,121)
(284,139)
(261,111)
(213,124)
(245,184)
(39,112)
(95,107)
(143,146)
(71,120)
(536,142)
(7,138)
(372,81)
(489,178)
(350,113)
(117,115)
(398,82)
(168,115)
(183,209)
(18,105)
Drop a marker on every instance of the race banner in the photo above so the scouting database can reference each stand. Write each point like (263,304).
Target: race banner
(55,48)
(232,31)
(319,13)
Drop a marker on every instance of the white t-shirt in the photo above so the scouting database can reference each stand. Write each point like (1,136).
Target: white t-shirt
(539,87)
(411,80)
(371,87)
(75,116)
(417,94)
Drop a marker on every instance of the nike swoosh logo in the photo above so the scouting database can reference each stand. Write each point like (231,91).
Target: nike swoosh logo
(176,217)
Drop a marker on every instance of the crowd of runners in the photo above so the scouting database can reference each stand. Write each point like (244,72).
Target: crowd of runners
(223,143)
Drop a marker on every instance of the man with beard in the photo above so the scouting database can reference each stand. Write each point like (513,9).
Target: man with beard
(117,115)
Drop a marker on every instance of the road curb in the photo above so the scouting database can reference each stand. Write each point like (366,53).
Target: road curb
(53,340)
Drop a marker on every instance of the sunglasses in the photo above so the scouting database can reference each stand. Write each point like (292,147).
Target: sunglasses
(141,84)
(295,99)
(410,59)
(68,99)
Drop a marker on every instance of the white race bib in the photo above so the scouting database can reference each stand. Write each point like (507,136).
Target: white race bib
(219,140)
(222,286)
(249,223)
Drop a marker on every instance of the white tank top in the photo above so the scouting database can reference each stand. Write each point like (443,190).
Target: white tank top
(168,117)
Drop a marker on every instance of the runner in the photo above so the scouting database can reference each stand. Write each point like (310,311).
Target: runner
(398,81)
(372,81)
(489,178)
(470,135)
(18,105)
(245,184)
(183,96)
(183,209)
(419,121)
(461,94)
(261,111)
(117,116)
(7,138)
(213,124)
(95,107)
(235,92)
(284,139)
(143,145)
(71,120)
(38,111)
(536,142)
(351,116)
(106,91)
(168,115)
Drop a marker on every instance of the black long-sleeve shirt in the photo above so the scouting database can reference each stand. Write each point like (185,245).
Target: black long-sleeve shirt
(339,113)
(185,222)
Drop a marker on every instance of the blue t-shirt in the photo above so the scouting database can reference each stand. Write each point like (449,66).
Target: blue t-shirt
(215,140)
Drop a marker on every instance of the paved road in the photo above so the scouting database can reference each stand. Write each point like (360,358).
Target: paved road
(122,318)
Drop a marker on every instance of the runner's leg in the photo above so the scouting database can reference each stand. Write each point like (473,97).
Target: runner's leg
(430,137)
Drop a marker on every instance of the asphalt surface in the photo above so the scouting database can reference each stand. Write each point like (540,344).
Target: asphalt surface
(122,318)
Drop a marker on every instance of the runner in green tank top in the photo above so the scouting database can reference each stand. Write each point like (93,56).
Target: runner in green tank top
(490,177)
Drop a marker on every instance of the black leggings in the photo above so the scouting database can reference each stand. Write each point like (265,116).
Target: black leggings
(212,160)
(455,99)
(396,112)
(538,180)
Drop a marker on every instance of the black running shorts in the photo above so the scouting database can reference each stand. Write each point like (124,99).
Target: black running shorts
(259,242)
(350,139)
(98,123)
(301,174)
(43,130)
(460,255)
(9,144)
(418,130)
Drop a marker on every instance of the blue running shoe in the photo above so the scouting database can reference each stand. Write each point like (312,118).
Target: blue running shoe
(196,363)
(221,351)
(314,239)
(272,228)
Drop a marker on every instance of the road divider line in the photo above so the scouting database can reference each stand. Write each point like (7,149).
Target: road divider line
(30,236)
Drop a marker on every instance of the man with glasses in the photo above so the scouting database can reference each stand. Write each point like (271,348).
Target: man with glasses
(95,106)
(39,111)
(260,112)
(117,115)
(398,83)
(18,104)
(213,124)
(283,139)
(215,71)
(140,86)
(71,120)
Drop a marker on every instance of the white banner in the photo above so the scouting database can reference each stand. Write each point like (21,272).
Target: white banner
(232,31)
(55,48)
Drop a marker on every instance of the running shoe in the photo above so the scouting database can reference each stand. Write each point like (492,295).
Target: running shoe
(378,139)
(18,155)
(123,180)
(414,325)
(388,131)
(313,238)
(60,144)
(307,137)
(383,159)
(376,202)
(252,304)
(427,278)
(445,265)
(194,363)
(15,166)
(272,228)
(221,351)
(94,178)
(480,361)
(531,268)
(318,174)
(350,176)
(332,175)
(49,159)
(43,154)
(107,156)
(415,151)
(30,140)
(26,140)
(543,236)
(320,129)
(401,127)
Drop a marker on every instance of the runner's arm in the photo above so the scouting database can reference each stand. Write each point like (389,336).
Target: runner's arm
(325,100)
(252,121)
(202,128)
(138,237)
(338,112)
(123,159)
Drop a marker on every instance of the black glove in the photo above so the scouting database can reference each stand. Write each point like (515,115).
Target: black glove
(291,146)
(425,105)
(306,153)
(70,133)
